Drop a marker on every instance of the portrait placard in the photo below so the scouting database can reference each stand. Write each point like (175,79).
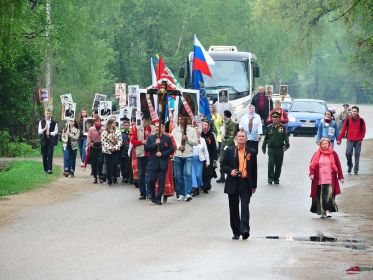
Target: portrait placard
(269,89)
(223,96)
(66,98)
(96,101)
(69,111)
(105,109)
(87,124)
(283,89)
(191,97)
(126,113)
(43,95)
(133,93)
(119,89)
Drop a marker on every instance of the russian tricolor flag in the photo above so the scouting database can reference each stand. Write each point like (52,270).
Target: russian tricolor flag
(201,63)
(202,59)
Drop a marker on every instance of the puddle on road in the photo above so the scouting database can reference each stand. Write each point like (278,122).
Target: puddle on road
(354,244)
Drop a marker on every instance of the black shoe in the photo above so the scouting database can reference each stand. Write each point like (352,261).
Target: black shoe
(156,201)
(349,169)
(65,173)
(95,181)
(142,197)
(101,180)
(276,182)
(123,181)
(72,174)
(355,172)
(115,181)
(236,237)
(205,191)
(245,235)
(50,172)
(270,182)
(109,183)
(165,199)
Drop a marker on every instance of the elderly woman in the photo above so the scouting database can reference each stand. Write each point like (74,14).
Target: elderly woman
(69,137)
(325,172)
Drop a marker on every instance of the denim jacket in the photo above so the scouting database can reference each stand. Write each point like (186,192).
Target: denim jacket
(325,130)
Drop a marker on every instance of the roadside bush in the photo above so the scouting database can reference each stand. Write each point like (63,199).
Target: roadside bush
(13,149)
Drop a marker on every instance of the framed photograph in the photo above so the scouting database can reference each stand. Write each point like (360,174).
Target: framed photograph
(87,124)
(66,98)
(283,89)
(269,90)
(105,109)
(223,96)
(126,113)
(122,95)
(142,103)
(69,111)
(133,93)
(119,89)
(191,97)
(43,95)
(96,101)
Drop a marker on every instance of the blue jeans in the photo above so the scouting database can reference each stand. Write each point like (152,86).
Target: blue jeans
(82,144)
(69,158)
(197,169)
(183,174)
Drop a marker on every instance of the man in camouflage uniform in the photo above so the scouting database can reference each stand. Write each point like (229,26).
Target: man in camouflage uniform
(342,116)
(278,141)
(228,134)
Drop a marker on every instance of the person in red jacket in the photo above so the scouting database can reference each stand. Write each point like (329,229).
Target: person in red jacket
(354,129)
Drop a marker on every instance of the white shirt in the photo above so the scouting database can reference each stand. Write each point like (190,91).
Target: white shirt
(257,127)
(48,123)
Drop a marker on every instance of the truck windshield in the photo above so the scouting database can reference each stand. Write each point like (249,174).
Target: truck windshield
(229,75)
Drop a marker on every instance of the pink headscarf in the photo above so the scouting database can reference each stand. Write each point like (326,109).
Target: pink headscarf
(329,152)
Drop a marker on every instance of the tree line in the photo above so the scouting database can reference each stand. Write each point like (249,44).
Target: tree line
(320,48)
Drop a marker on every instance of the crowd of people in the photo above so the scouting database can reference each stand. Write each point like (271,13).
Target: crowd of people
(162,160)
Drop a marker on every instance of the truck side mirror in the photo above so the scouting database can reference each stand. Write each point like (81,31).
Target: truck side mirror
(182,71)
(256,70)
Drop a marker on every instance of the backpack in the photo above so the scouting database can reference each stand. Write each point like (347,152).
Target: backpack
(362,122)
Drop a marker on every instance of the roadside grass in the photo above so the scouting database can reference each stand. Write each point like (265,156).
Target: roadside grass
(21,176)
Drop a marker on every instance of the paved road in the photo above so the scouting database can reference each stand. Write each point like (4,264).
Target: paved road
(109,234)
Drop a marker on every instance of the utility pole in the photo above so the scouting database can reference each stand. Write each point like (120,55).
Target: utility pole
(48,54)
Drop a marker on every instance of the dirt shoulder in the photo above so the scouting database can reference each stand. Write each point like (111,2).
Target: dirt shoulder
(58,190)
(358,199)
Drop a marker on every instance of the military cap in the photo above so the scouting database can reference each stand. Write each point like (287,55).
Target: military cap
(275,114)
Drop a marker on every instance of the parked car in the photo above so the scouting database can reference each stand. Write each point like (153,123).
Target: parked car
(286,105)
(305,116)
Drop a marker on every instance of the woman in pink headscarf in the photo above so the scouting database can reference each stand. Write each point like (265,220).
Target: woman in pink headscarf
(325,172)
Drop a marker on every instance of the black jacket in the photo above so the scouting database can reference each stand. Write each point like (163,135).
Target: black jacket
(230,162)
(165,147)
(268,106)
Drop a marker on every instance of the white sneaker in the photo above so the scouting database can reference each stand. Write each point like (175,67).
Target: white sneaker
(180,198)
(188,197)
(82,164)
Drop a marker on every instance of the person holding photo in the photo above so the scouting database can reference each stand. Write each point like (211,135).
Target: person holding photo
(111,142)
(48,129)
(82,138)
(69,137)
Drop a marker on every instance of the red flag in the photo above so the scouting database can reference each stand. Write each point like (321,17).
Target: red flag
(162,72)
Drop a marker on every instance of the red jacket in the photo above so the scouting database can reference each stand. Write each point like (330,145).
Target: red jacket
(283,119)
(135,142)
(336,176)
(354,133)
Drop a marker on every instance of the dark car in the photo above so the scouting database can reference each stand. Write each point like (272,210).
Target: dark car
(305,116)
